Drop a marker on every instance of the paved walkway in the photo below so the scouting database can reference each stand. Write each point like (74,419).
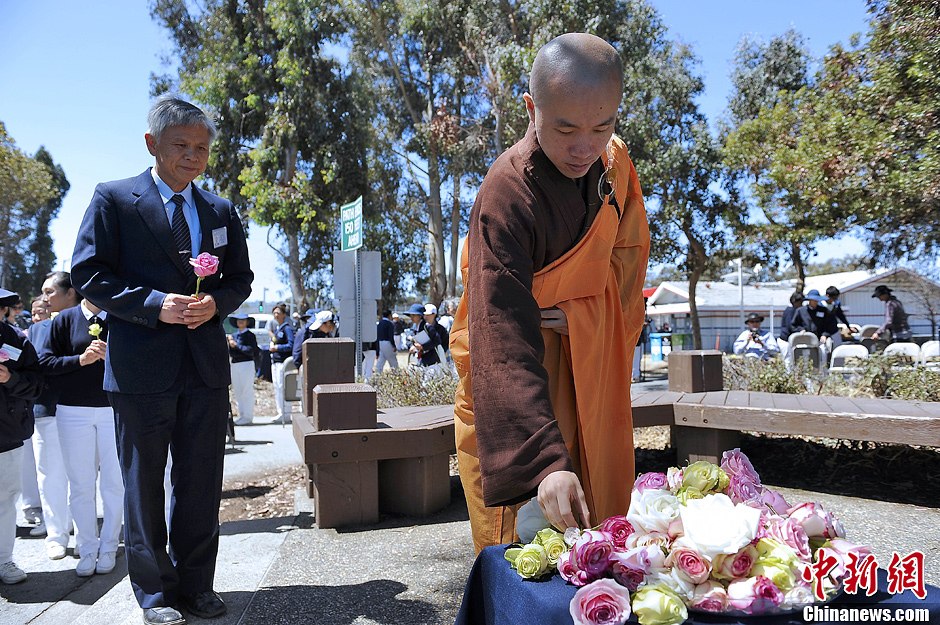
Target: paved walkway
(400,572)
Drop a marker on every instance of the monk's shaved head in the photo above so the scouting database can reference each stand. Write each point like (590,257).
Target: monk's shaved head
(572,61)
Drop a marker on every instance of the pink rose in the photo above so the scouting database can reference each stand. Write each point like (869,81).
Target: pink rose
(675,529)
(816,521)
(710,596)
(735,463)
(592,553)
(690,564)
(790,533)
(619,529)
(205,264)
(569,571)
(674,476)
(604,602)
(755,595)
(629,568)
(841,548)
(652,480)
(734,566)
(657,539)
(775,501)
(742,490)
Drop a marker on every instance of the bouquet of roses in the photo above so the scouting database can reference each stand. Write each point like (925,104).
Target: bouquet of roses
(704,537)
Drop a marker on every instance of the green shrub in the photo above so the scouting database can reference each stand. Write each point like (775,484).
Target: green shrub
(413,387)
(917,384)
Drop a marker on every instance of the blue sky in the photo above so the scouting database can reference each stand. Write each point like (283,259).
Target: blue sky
(75,78)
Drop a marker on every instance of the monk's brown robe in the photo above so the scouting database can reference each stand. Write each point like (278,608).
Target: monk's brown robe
(535,401)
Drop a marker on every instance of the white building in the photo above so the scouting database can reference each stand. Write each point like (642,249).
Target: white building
(722,305)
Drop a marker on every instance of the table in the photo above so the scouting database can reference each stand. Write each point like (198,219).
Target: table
(496,595)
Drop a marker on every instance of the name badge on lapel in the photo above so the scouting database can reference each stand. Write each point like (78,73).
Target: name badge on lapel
(219,238)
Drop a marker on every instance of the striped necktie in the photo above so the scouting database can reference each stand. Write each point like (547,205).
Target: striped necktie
(181,228)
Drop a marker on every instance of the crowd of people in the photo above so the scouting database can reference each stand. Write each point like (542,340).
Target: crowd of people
(823,317)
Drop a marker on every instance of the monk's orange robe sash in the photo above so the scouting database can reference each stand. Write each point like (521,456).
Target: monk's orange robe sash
(598,284)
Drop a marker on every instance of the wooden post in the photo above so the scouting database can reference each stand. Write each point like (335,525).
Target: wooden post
(345,493)
(327,361)
(414,486)
(699,371)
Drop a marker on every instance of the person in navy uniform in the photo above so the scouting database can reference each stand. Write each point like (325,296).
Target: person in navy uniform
(322,325)
(242,348)
(73,361)
(20,385)
(281,348)
(167,371)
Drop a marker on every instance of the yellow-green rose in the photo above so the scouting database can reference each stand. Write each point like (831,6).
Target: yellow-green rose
(687,493)
(770,551)
(781,575)
(704,477)
(95,330)
(658,605)
(553,542)
(529,561)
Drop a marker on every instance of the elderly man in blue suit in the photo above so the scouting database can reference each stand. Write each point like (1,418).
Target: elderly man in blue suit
(166,370)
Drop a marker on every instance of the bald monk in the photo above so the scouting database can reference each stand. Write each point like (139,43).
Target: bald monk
(544,335)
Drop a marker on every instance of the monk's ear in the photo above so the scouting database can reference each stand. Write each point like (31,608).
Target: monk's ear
(529,106)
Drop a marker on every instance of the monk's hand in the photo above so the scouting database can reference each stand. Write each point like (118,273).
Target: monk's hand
(200,311)
(562,501)
(174,308)
(554,319)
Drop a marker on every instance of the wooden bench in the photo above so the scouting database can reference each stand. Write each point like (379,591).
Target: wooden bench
(707,421)
(362,461)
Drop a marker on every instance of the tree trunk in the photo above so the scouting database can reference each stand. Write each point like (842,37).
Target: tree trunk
(438,281)
(797,257)
(696,260)
(694,276)
(454,238)
(294,271)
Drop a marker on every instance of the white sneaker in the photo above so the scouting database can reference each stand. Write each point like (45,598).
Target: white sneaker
(86,566)
(241,421)
(105,562)
(11,574)
(39,530)
(55,551)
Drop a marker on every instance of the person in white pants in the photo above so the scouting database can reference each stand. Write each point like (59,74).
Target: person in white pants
(57,295)
(385,335)
(282,345)
(74,362)
(20,384)
(242,346)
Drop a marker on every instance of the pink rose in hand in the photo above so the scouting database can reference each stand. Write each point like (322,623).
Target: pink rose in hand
(604,602)
(205,264)
(618,529)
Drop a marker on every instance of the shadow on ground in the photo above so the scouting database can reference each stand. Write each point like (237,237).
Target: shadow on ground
(375,600)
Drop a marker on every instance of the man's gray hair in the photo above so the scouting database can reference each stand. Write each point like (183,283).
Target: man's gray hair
(170,111)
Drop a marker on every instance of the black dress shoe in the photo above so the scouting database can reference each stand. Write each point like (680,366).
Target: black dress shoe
(163,616)
(206,604)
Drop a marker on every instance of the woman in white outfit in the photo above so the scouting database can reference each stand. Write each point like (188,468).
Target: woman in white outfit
(242,347)
(74,362)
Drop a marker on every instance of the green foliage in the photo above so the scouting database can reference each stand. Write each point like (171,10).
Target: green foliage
(916,384)
(30,196)
(413,387)
(767,376)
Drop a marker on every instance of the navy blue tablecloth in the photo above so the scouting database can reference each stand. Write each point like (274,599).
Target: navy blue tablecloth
(496,595)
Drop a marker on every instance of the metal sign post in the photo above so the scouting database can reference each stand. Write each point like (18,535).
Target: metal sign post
(351,239)
(358,333)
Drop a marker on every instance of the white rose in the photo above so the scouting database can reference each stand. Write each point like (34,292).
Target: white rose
(671,579)
(716,525)
(798,596)
(653,510)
